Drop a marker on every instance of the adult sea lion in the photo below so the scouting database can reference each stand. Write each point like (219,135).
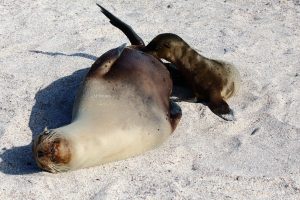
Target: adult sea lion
(122,109)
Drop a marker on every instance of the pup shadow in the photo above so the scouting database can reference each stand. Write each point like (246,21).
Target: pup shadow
(52,109)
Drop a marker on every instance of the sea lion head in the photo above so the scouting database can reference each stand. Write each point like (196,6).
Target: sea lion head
(165,46)
(51,151)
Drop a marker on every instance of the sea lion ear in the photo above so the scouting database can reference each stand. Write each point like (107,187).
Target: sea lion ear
(104,63)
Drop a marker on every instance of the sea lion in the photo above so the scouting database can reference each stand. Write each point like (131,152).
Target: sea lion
(211,80)
(122,109)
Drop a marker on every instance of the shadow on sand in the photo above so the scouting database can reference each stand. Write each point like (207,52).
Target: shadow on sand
(52,109)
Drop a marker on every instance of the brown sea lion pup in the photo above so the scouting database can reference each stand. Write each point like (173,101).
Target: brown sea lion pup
(122,109)
(211,80)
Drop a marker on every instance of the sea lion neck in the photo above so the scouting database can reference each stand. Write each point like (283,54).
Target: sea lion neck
(175,50)
(186,57)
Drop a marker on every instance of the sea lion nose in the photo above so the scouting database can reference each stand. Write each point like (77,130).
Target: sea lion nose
(60,151)
(40,154)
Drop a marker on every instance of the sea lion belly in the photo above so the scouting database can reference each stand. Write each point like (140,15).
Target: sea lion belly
(109,127)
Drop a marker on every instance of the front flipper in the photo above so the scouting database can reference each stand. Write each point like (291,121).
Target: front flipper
(182,95)
(104,63)
(175,114)
(125,28)
(218,106)
(222,109)
(181,90)
(176,75)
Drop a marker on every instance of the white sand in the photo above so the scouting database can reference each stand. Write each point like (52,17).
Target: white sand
(256,157)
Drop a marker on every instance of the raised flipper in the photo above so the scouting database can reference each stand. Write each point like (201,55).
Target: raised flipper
(104,63)
(175,114)
(125,28)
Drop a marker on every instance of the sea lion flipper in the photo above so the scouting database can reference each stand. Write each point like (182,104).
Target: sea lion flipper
(222,109)
(176,75)
(104,63)
(229,116)
(125,28)
(181,90)
(175,114)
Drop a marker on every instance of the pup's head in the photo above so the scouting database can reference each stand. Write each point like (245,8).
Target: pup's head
(165,46)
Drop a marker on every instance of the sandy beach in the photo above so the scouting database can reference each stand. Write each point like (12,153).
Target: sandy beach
(47,47)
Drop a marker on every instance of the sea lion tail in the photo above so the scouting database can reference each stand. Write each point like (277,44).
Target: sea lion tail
(125,28)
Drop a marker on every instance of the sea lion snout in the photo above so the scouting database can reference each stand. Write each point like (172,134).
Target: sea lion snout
(51,151)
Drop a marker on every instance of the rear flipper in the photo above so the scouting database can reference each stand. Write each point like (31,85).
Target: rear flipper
(126,29)
(175,114)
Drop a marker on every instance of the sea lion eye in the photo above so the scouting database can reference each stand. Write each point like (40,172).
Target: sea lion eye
(40,154)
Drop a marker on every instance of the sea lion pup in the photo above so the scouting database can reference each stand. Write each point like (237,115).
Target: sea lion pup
(211,80)
(122,109)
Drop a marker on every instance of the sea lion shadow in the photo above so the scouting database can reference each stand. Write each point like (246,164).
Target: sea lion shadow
(52,109)
(53,104)
(83,55)
(17,161)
